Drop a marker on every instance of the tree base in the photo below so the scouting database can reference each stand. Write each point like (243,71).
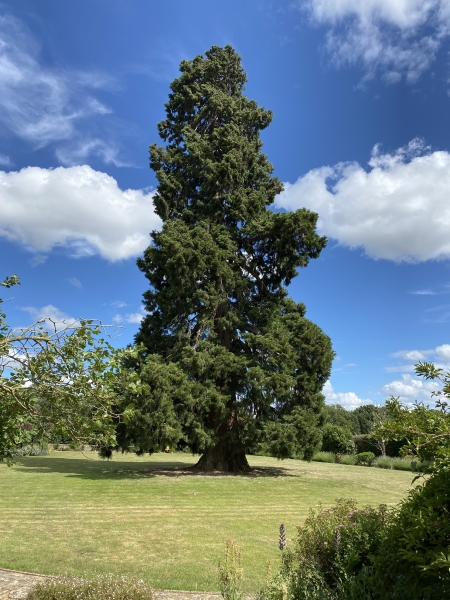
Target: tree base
(218,458)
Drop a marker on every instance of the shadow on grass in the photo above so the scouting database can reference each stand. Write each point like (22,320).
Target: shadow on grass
(95,469)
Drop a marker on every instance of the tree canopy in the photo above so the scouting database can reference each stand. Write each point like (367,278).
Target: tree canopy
(228,358)
(56,377)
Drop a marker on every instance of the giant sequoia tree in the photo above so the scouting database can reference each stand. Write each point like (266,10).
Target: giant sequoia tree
(230,360)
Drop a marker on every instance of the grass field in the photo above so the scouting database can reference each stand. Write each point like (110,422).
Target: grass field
(70,512)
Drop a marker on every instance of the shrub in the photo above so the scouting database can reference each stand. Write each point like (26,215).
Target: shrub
(105,587)
(328,457)
(31,450)
(365,458)
(346,553)
(402,464)
(415,561)
(383,462)
(332,548)
(337,439)
(348,459)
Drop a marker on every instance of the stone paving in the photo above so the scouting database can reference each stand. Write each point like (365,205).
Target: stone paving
(15,585)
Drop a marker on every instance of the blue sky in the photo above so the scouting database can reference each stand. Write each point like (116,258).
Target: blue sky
(360,93)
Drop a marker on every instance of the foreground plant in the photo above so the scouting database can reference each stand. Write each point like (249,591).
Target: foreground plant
(103,587)
(333,546)
(231,572)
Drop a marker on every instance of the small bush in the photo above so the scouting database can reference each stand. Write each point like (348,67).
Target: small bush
(328,457)
(31,450)
(383,462)
(332,548)
(348,459)
(365,458)
(105,587)
(402,464)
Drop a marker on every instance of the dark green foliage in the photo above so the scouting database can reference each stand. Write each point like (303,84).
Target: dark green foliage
(416,557)
(338,415)
(106,587)
(366,417)
(365,458)
(359,421)
(218,311)
(366,443)
(337,439)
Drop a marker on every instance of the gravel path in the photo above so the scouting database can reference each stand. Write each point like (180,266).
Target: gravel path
(16,585)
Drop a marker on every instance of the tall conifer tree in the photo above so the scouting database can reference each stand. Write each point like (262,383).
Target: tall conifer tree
(236,360)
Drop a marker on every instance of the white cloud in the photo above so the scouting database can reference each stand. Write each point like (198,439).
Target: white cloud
(438,314)
(410,388)
(134,317)
(440,356)
(412,354)
(130,317)
(399,37)
(5,160)
(42,105)
(348,400)
(77,153)
(398,210)
(37,260)
(75,282)
(409,368)
(76,207)
(118,304)
(51,316)
(423,293)
(443,352)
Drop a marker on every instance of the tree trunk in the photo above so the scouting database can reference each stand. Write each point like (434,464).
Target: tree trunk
(228,453)
(223,458)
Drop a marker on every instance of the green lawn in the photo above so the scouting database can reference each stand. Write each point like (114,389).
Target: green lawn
(74,513)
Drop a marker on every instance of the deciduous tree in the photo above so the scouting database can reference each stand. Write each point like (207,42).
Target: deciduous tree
(56,376)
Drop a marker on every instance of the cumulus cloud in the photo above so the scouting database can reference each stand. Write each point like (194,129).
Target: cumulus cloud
(130,317)
(439,355)
(348,400)
(411,389)
(76,207)
(397,210)
(443,352)
(412,354)
(398,37)
(51,316)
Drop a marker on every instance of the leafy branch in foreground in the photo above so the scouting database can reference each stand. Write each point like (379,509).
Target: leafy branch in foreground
(60,377)
(427,430)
